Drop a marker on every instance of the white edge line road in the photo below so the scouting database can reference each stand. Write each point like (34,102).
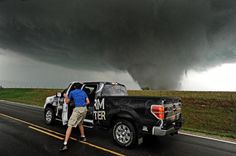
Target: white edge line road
(182,133)
(208,138)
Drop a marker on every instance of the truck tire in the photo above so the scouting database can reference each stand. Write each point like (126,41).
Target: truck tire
(124,133)
(49,116)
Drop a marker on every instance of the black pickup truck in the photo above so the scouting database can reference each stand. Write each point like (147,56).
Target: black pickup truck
(129,117)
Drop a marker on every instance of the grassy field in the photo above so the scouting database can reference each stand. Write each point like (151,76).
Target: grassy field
(206,112)
(28,95)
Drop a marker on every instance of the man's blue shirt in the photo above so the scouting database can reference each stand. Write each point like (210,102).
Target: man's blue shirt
(79,97)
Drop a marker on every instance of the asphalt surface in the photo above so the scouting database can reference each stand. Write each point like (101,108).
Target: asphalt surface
(23,131)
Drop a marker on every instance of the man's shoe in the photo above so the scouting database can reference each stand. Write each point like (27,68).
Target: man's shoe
(83,139)
(63,148)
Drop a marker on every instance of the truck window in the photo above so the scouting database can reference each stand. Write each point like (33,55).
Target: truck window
(114,90)
(90,91)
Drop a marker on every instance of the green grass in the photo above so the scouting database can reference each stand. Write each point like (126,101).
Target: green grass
(206,112)
(29,96)
(213,120)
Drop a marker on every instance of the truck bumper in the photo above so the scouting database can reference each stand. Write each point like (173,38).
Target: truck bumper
(160,132)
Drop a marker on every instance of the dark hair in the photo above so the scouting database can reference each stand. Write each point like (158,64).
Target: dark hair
(77,86)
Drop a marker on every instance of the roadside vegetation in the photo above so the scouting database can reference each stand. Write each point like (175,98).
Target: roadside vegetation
(205,112)
(27,95)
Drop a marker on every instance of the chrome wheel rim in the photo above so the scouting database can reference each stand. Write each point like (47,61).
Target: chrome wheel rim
(48,116)
(123,134)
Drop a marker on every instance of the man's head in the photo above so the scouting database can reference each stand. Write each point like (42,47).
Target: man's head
(77,86)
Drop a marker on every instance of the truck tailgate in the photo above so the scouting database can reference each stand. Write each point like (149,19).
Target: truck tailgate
(172,111)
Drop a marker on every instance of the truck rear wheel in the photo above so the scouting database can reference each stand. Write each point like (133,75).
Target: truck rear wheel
(124,133)
(49,116)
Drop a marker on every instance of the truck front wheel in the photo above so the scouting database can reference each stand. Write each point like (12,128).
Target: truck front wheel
(49,116)
(124,133)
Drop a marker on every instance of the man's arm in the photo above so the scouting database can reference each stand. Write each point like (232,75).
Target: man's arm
(87,101)
(67,99)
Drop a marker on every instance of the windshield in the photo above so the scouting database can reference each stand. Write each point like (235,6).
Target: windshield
(114,90)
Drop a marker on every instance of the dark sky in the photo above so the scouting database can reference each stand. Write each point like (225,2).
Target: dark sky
(156,41)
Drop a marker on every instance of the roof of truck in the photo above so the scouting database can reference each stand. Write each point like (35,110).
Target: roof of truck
(97,82)
(102,82)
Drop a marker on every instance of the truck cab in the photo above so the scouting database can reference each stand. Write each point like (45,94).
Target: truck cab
(56,108)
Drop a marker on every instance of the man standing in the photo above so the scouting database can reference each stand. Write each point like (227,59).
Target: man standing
(80,99)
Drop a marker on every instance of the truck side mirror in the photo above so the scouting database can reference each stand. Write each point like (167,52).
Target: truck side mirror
(58,94)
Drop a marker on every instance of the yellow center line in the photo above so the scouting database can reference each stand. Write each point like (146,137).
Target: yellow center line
(39,130)
(101,148)
(46,131)
(31,124)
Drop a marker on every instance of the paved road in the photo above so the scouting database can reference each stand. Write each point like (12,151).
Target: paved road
(23,131)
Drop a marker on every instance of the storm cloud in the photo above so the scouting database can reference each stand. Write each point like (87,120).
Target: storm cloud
(156,41)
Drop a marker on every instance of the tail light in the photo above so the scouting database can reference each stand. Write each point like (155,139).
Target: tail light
(158,111)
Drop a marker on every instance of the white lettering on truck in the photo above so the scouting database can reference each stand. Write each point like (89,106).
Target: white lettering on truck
(99,112)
